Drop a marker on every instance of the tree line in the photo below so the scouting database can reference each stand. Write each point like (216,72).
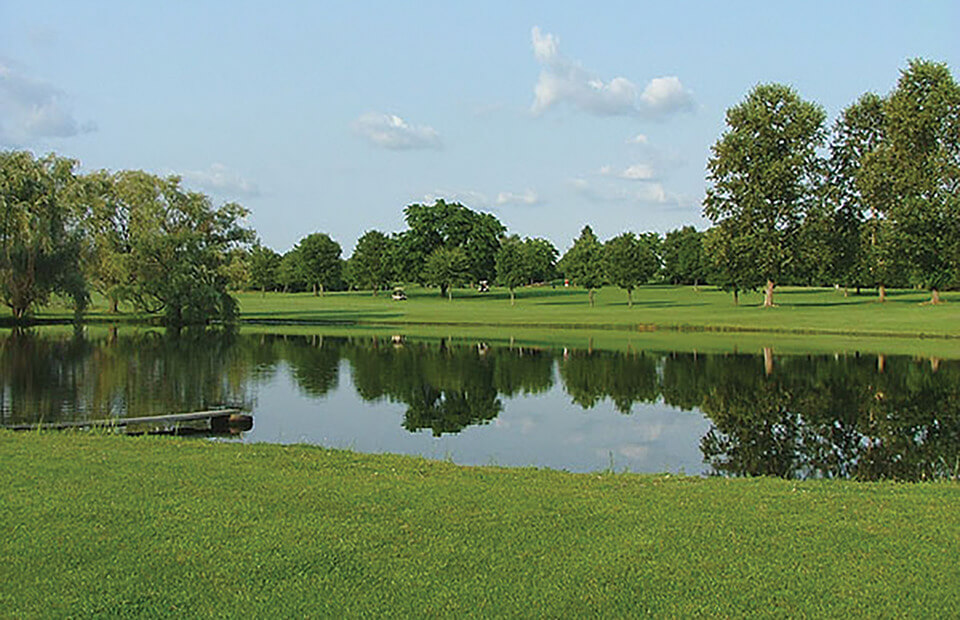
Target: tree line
(871,202)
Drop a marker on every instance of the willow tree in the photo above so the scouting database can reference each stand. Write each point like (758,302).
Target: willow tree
(765,174)
(41,232)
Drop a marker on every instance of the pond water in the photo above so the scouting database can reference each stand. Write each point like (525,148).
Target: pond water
(794,416)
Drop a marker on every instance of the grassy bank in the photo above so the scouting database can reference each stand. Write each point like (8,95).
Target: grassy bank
(800,310)
(117,526)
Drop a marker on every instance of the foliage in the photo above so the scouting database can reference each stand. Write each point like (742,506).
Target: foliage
(446,268)
(629,262)
(450,226)
(542,258)
(264,268)
(41,234)
(583,263)
(919,159)
(318,261)
(765,174)
(684,261)
(514,265)
(371,265)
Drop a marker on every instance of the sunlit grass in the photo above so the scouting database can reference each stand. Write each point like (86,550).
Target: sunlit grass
(102,525)
(799,310)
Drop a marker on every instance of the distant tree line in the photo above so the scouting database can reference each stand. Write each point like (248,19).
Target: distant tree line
(872,202)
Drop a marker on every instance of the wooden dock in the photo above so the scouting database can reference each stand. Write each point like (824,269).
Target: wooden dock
(218,421)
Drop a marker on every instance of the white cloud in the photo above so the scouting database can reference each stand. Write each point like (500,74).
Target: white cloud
(221,180)
(33,109)
(565,80)
(528,197)
(664,95)
(392,132)
(638,139)
(468,198)
(636,172)
(649,193)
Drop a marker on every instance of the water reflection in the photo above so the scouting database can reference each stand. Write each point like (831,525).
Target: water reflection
(867,417)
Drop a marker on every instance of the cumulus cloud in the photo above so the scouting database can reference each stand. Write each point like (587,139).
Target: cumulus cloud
(528,197)
(221,180)
(392,132)
(565,80)
(33,109)
(636,172)
(638,139)
(650,193)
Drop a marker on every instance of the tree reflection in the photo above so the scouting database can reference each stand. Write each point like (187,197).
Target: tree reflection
(796,416)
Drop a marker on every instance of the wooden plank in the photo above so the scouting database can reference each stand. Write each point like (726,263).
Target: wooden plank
(170,418)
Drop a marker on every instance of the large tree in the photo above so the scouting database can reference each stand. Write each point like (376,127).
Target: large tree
(583,262)
(919,160)
(450,225)
(856,194)
(683,258)
(371,265)
(765,173)
(629,262)
(179,251)
(41,214)
(264,268)
(446,268)
(319,261)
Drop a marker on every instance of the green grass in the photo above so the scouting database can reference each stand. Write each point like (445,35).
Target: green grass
(116,526)
(800,310)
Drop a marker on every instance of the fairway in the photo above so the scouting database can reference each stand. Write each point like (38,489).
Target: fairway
(799,310)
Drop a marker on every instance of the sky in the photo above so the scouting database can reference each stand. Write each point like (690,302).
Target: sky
(333,116)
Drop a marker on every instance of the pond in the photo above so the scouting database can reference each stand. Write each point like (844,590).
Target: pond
(795,416)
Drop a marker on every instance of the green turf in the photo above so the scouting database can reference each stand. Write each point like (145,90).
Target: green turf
(800,310)
(114,526)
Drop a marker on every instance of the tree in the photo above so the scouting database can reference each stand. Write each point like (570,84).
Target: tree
(450,226)
(446,268)
(179,251)
(264,268)
(318,261)
(41,214)
(732,258)
(765,174)
(542,258)
(860,254)
(513,264)
(919,159)
(629,262)
(683,259)
(371,265)
(583,263)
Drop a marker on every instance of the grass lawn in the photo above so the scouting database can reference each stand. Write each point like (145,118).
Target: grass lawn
(105,525)
(800,310)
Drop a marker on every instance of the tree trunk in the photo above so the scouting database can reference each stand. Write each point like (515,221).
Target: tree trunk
(882,292)
(113,305)
(314,289)
(321,290)
(768,361)
(443,290)
(881,363)
(768,295)
(449,293)
(512,300)
(629,298)
(934,297)
(590,296)
(736,297)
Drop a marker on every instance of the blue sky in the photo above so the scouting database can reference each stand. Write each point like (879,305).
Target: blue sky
(334,116)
